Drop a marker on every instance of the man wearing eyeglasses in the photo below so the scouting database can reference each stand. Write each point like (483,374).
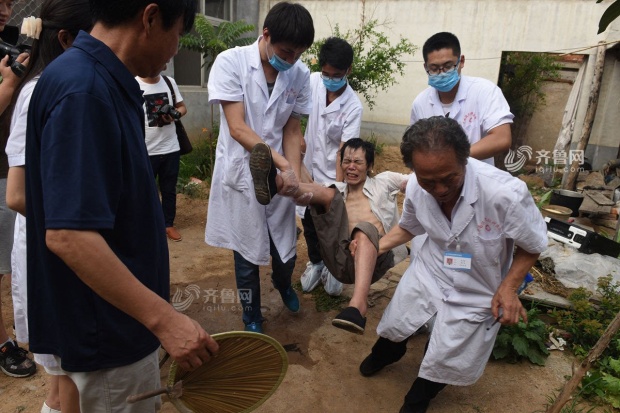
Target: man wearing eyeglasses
(336,117)
(477,104)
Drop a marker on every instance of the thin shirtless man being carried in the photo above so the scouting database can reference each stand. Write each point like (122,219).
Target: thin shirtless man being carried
(349,217)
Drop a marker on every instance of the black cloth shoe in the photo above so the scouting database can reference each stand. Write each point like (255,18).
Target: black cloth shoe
(263,173)
(384,352)
(417,408)
(420,394)
(350,319)
(14,361)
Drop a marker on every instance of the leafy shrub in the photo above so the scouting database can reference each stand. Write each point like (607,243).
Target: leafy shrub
(376,62)
(585,324)
(523,340)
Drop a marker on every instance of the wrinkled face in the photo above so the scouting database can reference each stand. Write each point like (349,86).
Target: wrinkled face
(6,8)
(439,174)
(354,166)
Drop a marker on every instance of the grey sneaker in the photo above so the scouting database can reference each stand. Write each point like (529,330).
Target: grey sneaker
(311,276)
(14,361)
(332,286)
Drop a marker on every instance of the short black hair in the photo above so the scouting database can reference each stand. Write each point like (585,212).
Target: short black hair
(442,40)
(113,13)
(435,134)
(290,22)
(356,143)
(336,52)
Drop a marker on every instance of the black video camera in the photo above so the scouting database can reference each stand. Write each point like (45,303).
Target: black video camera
(9,37)
(168,110)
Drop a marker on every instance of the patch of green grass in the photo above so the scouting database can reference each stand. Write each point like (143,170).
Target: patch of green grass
(324,302)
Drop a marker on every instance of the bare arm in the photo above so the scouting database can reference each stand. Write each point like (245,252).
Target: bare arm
(180,106)
(16,189)
(397,236)
(291,144)
(90,257)
(497,141)
(506,295)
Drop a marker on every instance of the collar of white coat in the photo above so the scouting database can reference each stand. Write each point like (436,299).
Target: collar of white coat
(339,101)
(469,195)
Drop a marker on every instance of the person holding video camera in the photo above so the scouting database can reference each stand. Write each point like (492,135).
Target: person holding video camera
(161,110)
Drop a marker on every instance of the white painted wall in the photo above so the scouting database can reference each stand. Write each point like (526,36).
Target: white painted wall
(485,29)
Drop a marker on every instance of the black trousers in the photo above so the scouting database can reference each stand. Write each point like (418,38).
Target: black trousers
(312,239)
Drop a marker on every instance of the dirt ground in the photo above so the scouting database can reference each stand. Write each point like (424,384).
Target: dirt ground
(323,371)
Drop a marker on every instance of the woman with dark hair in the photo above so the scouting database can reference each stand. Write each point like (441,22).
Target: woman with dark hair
(53,32)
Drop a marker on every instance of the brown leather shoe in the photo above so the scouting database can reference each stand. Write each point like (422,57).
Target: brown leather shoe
(173,234)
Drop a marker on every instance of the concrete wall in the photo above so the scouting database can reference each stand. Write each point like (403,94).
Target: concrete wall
(485,28)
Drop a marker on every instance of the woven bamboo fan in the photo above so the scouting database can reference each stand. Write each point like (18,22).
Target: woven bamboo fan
(248,368)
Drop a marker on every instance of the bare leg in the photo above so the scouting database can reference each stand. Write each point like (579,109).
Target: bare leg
(69,396)
(321,195)
(365,261)
(53,395)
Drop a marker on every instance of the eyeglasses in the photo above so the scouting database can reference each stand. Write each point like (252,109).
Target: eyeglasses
(447,68)
(358,162)
(333,79)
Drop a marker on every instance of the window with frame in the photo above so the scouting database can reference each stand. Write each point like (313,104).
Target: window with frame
(188,70)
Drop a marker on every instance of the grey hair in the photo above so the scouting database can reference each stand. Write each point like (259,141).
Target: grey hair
(435,134)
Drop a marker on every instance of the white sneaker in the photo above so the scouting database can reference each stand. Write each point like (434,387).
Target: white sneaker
(312,276)
(47,409)
(332,286)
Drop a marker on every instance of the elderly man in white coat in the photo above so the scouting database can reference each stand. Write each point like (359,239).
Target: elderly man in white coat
(263,90)
(463,279)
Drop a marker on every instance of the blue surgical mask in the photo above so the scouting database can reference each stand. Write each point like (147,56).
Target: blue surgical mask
(334,85)
(278,63)
(444,82)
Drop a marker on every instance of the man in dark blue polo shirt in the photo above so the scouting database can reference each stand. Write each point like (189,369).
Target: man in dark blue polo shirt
(98,267)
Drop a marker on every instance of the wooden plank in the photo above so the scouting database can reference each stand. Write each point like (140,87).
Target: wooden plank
(590,207)
(535,293)
(600,198)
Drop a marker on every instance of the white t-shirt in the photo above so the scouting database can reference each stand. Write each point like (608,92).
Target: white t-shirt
(16,144)
(160,140)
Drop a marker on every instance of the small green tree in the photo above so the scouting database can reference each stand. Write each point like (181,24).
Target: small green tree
(376,62)
(211,40)
(521,81)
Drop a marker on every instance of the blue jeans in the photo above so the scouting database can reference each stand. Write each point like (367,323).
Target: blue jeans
(166,171)
(248,281)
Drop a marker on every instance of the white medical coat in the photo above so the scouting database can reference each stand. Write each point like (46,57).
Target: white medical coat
(327,127)
(494,213)
(235,220)
(478,107)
